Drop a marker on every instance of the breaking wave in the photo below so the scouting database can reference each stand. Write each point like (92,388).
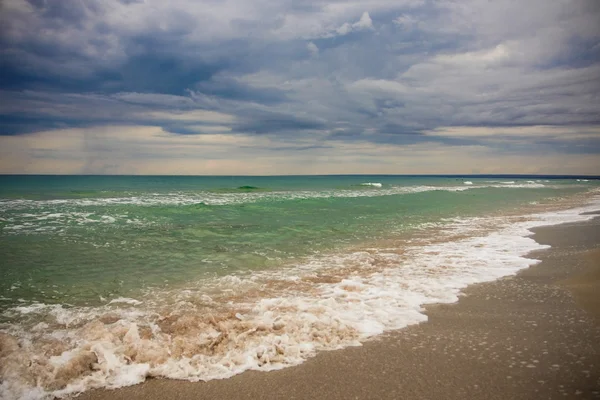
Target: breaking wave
(374,184)
(262,321)
(241,197)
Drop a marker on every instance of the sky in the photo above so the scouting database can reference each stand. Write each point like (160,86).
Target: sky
(275,87)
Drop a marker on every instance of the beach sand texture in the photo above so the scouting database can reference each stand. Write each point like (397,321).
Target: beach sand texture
(532,336)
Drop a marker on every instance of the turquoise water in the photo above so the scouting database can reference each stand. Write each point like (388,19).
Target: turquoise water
(106,281)
(78,239)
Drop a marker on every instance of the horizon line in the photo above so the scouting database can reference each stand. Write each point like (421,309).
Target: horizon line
(316,175)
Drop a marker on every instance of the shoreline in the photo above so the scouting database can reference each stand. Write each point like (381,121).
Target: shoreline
(522,337)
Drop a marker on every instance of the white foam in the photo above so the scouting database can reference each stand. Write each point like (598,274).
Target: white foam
(125,300)
(375,184)
(45,221)
(468,182)
(515,184)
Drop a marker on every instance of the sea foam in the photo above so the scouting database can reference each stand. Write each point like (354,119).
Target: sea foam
(374,184)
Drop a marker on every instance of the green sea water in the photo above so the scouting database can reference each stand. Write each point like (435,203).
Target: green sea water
(106,281)
(88,239)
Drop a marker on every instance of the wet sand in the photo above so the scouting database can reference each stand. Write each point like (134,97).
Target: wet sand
(532,336)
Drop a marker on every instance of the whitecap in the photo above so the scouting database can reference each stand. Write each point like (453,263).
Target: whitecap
(374,184)
(125,300)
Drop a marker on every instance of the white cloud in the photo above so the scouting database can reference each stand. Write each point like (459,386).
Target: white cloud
(484,57)
(380,86)
(345,29)
(313,49)
(364,23)
(407,22)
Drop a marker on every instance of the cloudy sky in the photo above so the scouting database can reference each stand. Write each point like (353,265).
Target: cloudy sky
(299,86)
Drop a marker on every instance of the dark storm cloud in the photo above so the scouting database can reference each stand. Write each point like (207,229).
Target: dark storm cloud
(229,88)
(383,72)
(278,123)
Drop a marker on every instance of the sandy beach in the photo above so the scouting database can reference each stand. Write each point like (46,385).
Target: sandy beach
(532,336)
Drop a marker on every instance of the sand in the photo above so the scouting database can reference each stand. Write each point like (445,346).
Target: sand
(532,336)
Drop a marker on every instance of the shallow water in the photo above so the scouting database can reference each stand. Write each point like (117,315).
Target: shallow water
(109,280)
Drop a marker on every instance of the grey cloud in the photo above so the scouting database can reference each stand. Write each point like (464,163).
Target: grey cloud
(232,89)
(416,66)
(156,99)
(271,122)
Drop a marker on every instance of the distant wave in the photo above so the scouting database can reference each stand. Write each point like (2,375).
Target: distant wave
(374,184)
(236,196)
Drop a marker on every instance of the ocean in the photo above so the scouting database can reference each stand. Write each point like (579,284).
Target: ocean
(108,280)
